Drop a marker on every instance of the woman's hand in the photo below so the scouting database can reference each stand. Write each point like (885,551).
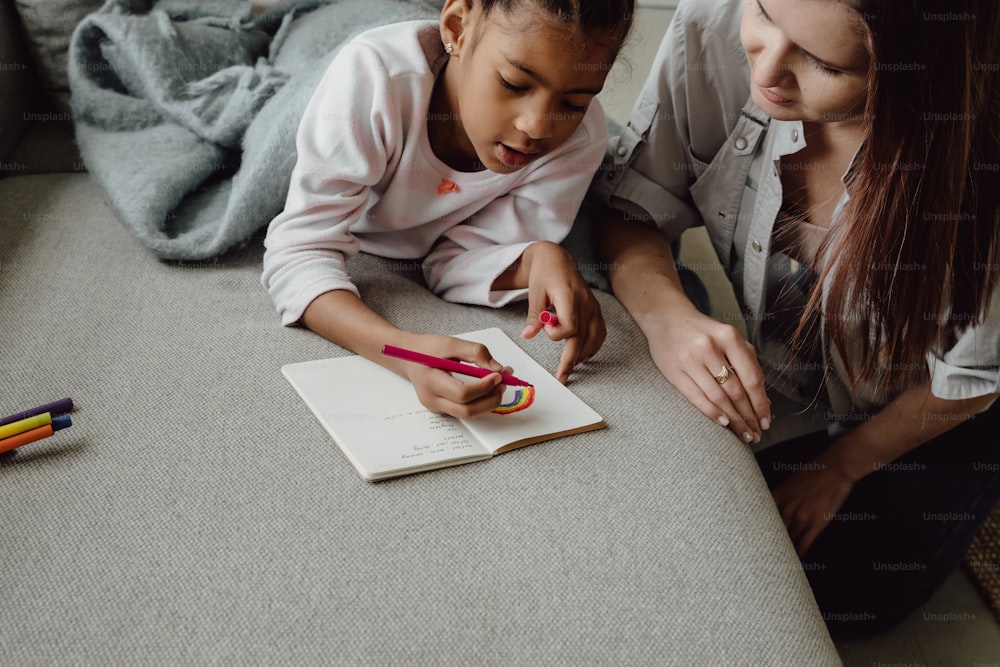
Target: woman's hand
(712,365)
(554,282)
(808,499)
(441,392)
(690,349)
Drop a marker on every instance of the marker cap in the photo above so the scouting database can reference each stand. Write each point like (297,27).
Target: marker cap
(548,317)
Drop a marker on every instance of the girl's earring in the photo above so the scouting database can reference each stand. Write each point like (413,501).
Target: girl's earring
(448,48)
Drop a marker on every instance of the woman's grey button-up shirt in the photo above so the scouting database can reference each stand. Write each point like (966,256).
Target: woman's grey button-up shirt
(696,151)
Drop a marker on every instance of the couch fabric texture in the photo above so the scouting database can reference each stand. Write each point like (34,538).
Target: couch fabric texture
(49,25)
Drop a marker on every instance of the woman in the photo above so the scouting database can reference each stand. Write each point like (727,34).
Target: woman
(843,156)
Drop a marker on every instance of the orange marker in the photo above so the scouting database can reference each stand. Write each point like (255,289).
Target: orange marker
(14,428)
(27,437)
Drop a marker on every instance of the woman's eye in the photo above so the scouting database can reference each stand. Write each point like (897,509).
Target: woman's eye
(760,12)
(829,71)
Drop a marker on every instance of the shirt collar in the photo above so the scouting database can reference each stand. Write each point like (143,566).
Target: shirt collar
(788,136)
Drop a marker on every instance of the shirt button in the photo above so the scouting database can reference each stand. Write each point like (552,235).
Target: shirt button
(741,143)
(722,214)
(795,135)
(622,151)
(756,246)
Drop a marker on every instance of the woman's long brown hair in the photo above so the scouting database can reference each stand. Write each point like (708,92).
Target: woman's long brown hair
(919,258)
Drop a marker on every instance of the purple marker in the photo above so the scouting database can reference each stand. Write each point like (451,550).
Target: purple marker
(55,407)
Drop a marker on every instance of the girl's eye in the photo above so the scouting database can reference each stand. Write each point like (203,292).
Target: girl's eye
(509,86)
(569,106)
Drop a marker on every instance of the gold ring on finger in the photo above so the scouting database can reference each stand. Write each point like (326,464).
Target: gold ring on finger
(725,374)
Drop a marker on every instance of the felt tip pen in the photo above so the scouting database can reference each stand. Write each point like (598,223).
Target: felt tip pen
(449,365)
(55,407)
(13,428)
(548,317)
(35,434)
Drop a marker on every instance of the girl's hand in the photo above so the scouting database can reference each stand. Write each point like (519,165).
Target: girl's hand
(554,282)
(443,393)
(808,499)
(694,352)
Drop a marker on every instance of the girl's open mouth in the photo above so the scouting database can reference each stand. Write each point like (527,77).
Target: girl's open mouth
(512,157)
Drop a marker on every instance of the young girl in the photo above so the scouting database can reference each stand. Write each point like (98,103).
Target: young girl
(843,156)
(469,142)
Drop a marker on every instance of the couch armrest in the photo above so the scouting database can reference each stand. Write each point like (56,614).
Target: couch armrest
(15,66)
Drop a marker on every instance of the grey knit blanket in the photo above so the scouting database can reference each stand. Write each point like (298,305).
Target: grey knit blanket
(186,110)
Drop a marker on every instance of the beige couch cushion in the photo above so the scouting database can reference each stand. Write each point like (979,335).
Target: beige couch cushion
(48,26)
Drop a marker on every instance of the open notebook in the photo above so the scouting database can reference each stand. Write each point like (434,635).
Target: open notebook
(378,422)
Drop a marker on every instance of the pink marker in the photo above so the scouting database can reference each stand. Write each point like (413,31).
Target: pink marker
(548,317)
(449,365)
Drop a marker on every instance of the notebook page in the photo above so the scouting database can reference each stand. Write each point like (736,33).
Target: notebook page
(376,418)
(556,409)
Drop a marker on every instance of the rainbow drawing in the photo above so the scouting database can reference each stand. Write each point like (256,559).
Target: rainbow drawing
(523,398)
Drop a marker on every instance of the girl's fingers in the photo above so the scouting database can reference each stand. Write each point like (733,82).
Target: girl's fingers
(567,313)
(538,301)
(597,331)
(475,408)
(568,359)
(475,353)
(440,392)
(590,334)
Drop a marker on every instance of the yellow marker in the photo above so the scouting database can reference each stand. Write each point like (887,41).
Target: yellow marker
(23,425)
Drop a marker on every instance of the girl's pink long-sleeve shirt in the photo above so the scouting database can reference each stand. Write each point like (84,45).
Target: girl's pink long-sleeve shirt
(367,180)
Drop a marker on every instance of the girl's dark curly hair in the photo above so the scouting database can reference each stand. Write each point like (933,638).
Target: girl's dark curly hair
(609,19)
